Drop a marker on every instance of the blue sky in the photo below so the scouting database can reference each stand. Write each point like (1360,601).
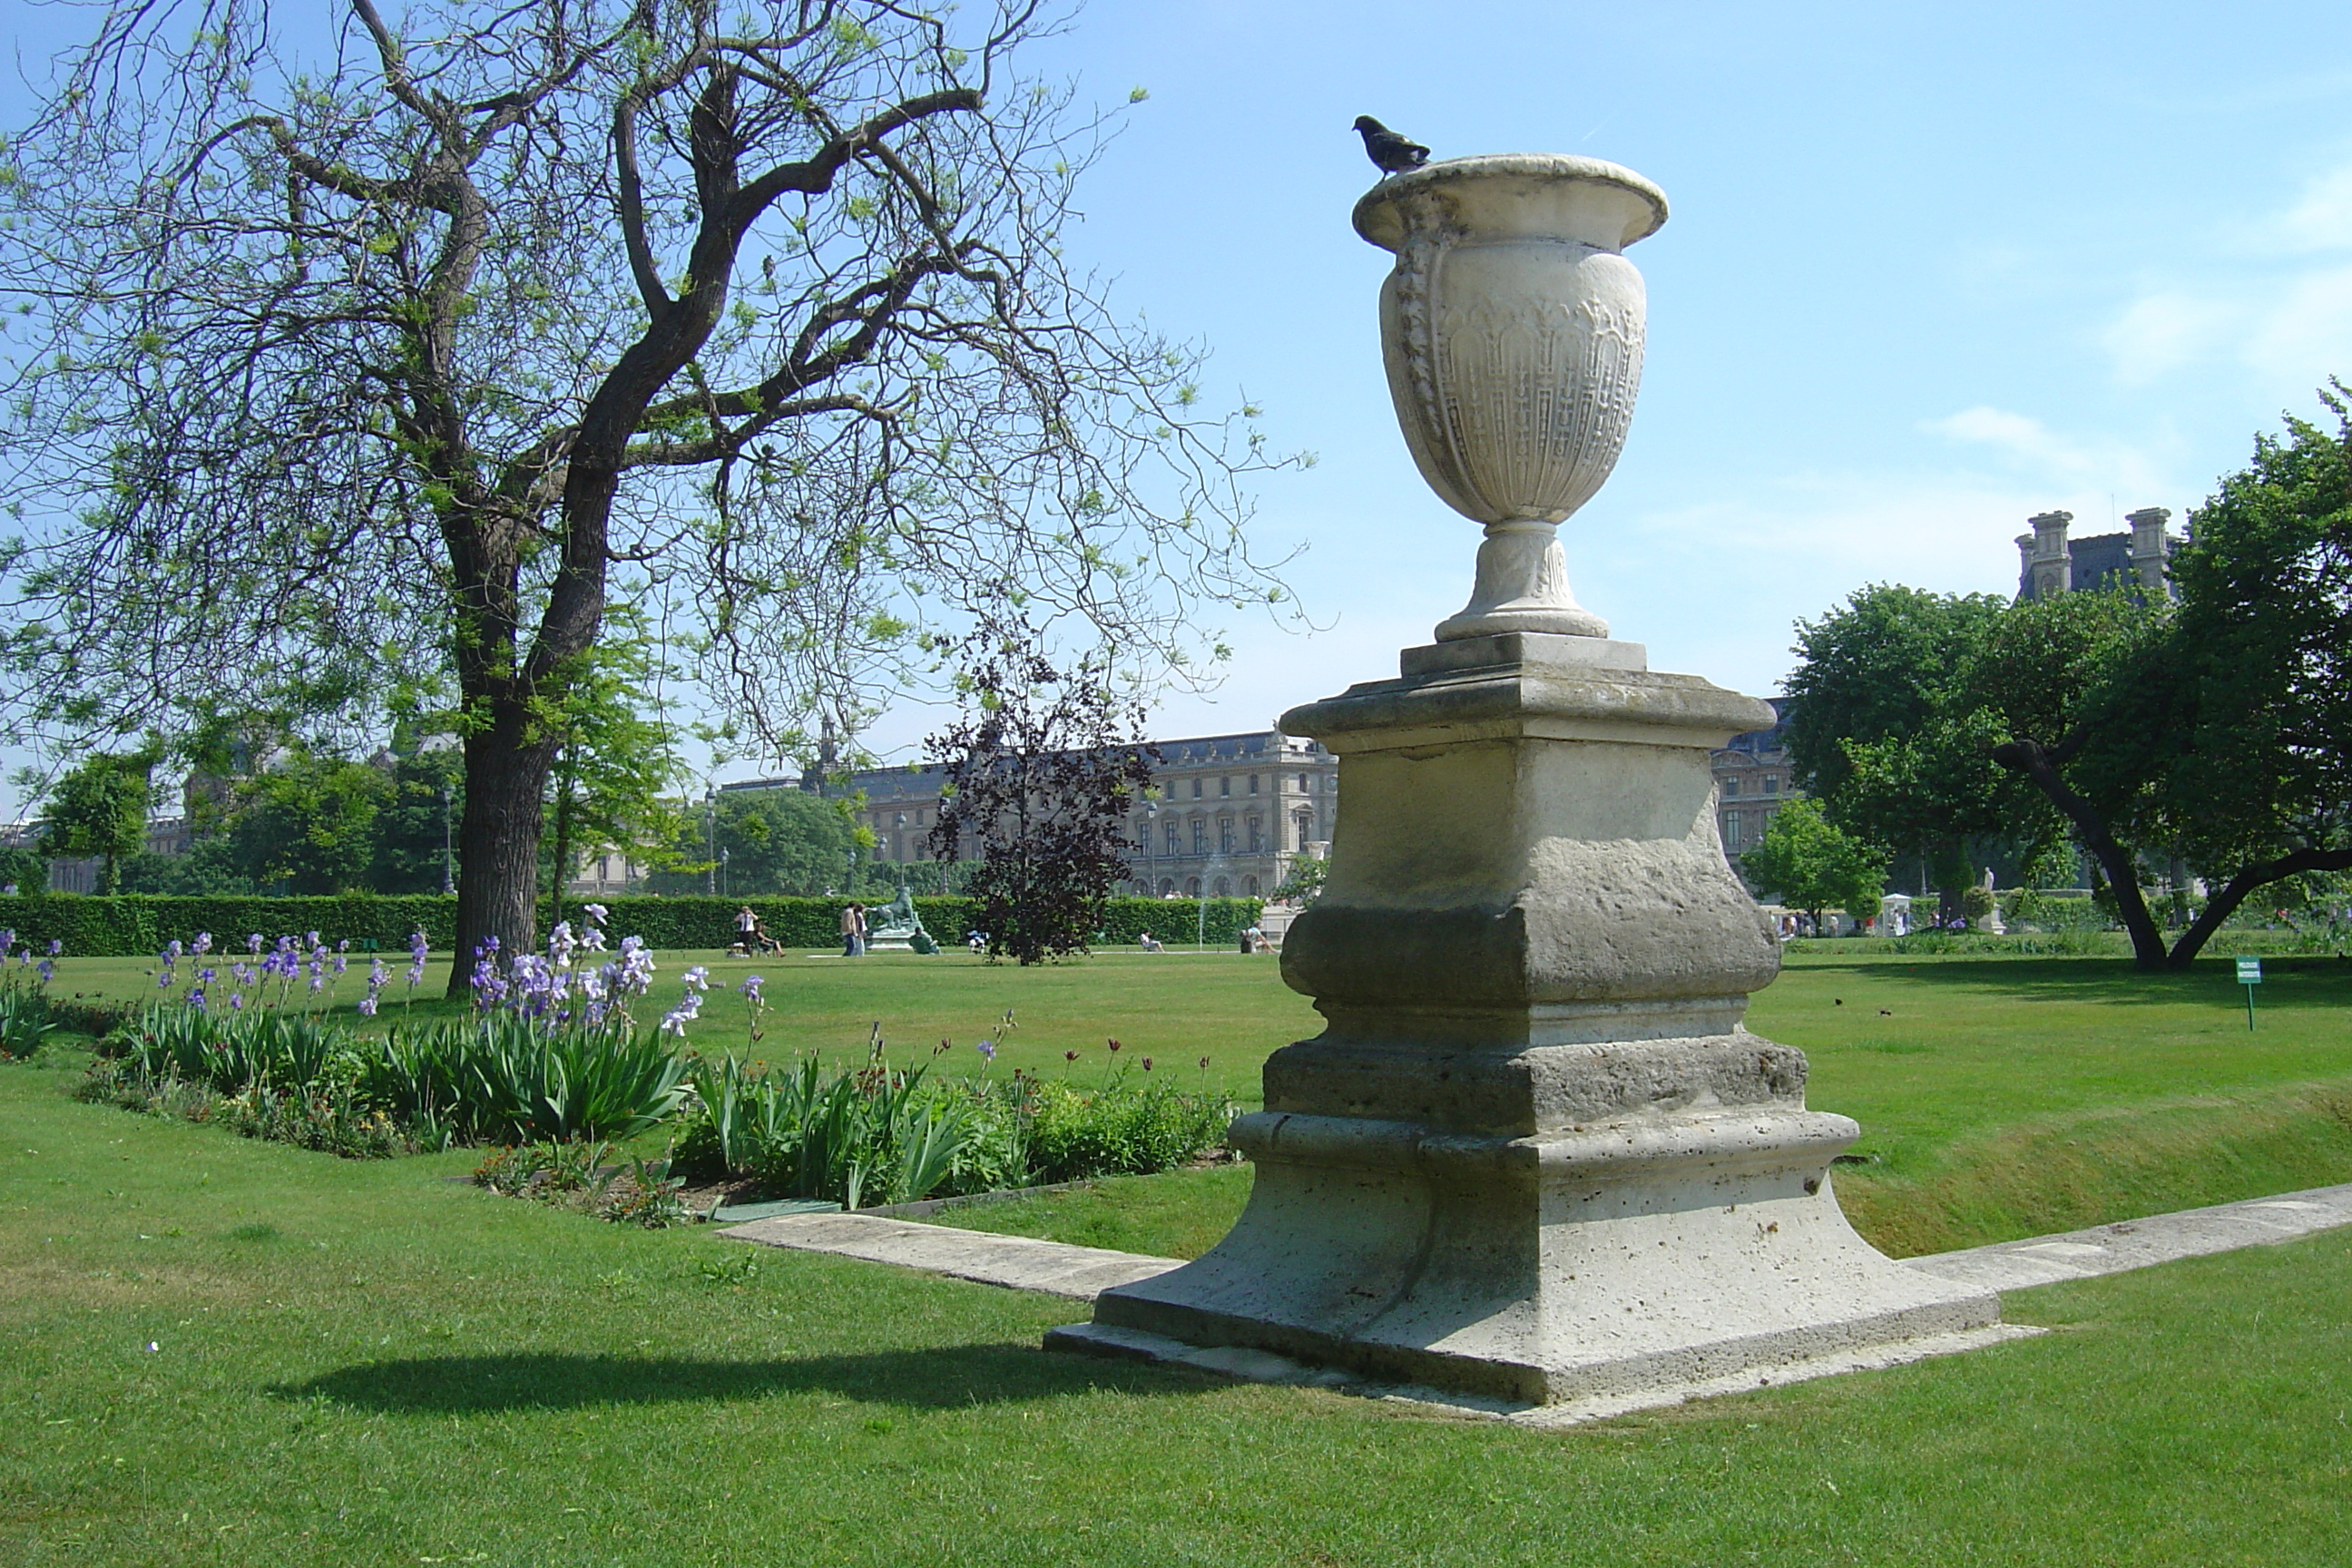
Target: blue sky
(1929,270)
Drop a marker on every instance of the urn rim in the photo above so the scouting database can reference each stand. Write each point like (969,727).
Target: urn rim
(1379,218)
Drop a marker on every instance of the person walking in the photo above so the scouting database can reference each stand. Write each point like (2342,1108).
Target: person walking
(747,925)
(853,931)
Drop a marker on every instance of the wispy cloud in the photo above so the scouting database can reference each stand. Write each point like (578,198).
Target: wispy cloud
(2274,300)
(2029,446)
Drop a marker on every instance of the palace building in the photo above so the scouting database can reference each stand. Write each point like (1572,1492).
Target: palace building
(1226,816)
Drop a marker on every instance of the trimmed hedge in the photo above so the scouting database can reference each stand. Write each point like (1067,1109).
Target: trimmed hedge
(139,924)
(134,925)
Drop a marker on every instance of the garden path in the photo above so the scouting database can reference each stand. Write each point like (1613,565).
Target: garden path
(1016,1262)
(1025,1263)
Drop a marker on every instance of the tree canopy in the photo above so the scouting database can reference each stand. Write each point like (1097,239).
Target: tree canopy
(1890,732)
(403,353)
(100,809)
(1809,862)
(2210,730)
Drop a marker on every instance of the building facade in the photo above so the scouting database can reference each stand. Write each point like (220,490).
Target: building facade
(2049,563)
(1752,783)
(1225,814)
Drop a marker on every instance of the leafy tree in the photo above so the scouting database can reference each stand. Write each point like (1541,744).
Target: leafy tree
(351,370)
(612,764)
(1304,880)
(1890,734)
(307,825)
(24,870)
(1043,769)
(2222,732)
(100,809)
(209,867)
(1811,863)
(416,832)
(785,841)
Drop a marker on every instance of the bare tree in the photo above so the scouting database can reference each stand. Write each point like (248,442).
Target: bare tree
(337,364)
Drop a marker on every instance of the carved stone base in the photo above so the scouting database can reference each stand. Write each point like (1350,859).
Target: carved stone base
(1535,1157)
(1606,1259)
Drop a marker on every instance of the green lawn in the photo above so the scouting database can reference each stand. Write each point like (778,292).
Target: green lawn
(1998,1096)
(364,1363)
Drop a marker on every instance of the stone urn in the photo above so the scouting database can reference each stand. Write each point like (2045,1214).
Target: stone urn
(1535,1162)
(1512,327)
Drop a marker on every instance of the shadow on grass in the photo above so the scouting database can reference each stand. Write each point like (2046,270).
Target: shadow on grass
(942,1378)
(2317,979)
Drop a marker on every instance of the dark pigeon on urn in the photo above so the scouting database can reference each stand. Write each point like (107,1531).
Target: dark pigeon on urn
(1391,152)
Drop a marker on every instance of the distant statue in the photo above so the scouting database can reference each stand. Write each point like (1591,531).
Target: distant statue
(1989,901)
(897,927)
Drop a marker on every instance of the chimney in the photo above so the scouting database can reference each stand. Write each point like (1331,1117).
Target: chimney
(2052,568)
(2148,547)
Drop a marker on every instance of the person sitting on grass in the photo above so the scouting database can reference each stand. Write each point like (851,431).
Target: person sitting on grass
(1150,944)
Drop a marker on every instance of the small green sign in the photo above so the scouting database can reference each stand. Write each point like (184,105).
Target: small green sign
(2249,971)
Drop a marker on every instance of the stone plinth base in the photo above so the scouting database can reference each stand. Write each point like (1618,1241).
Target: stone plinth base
(1622,1258)
(1534,1159)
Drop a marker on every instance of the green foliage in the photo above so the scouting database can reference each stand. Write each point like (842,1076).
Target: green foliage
(785,841)
(612,764)
(23,869)
(1304,881)
(1121,1128)
(100,809)
(1890,733)
(416,824)
(879,1134)
(576,1176)
(25,1022)
(307,825)
(139,925)
(1806,860)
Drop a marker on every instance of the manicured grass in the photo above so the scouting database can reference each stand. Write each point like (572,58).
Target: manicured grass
(1172,1008)
(2000,1097)
(363,1363)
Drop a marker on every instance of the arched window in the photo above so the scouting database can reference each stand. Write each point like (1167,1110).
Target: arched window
(1191,886)
(1305,821)
(1167,887)
(1224,888)
(1249,887)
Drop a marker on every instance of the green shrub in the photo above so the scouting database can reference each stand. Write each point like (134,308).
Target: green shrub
(133,925)
(1121,1128)
(882,1135)
(26,1019)
(575,1176)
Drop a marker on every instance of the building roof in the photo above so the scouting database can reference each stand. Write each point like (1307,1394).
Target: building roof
(907,780)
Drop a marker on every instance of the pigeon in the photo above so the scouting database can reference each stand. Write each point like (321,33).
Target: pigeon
(1391,152)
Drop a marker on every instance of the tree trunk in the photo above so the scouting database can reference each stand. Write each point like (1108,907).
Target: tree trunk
(2231,897)
(2117,862)
(562,845)
(498,841)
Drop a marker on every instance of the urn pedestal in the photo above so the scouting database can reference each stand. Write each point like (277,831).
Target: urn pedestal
(1535,1158)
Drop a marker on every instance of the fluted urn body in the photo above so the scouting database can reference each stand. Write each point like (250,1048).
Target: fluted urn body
(1512,328)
